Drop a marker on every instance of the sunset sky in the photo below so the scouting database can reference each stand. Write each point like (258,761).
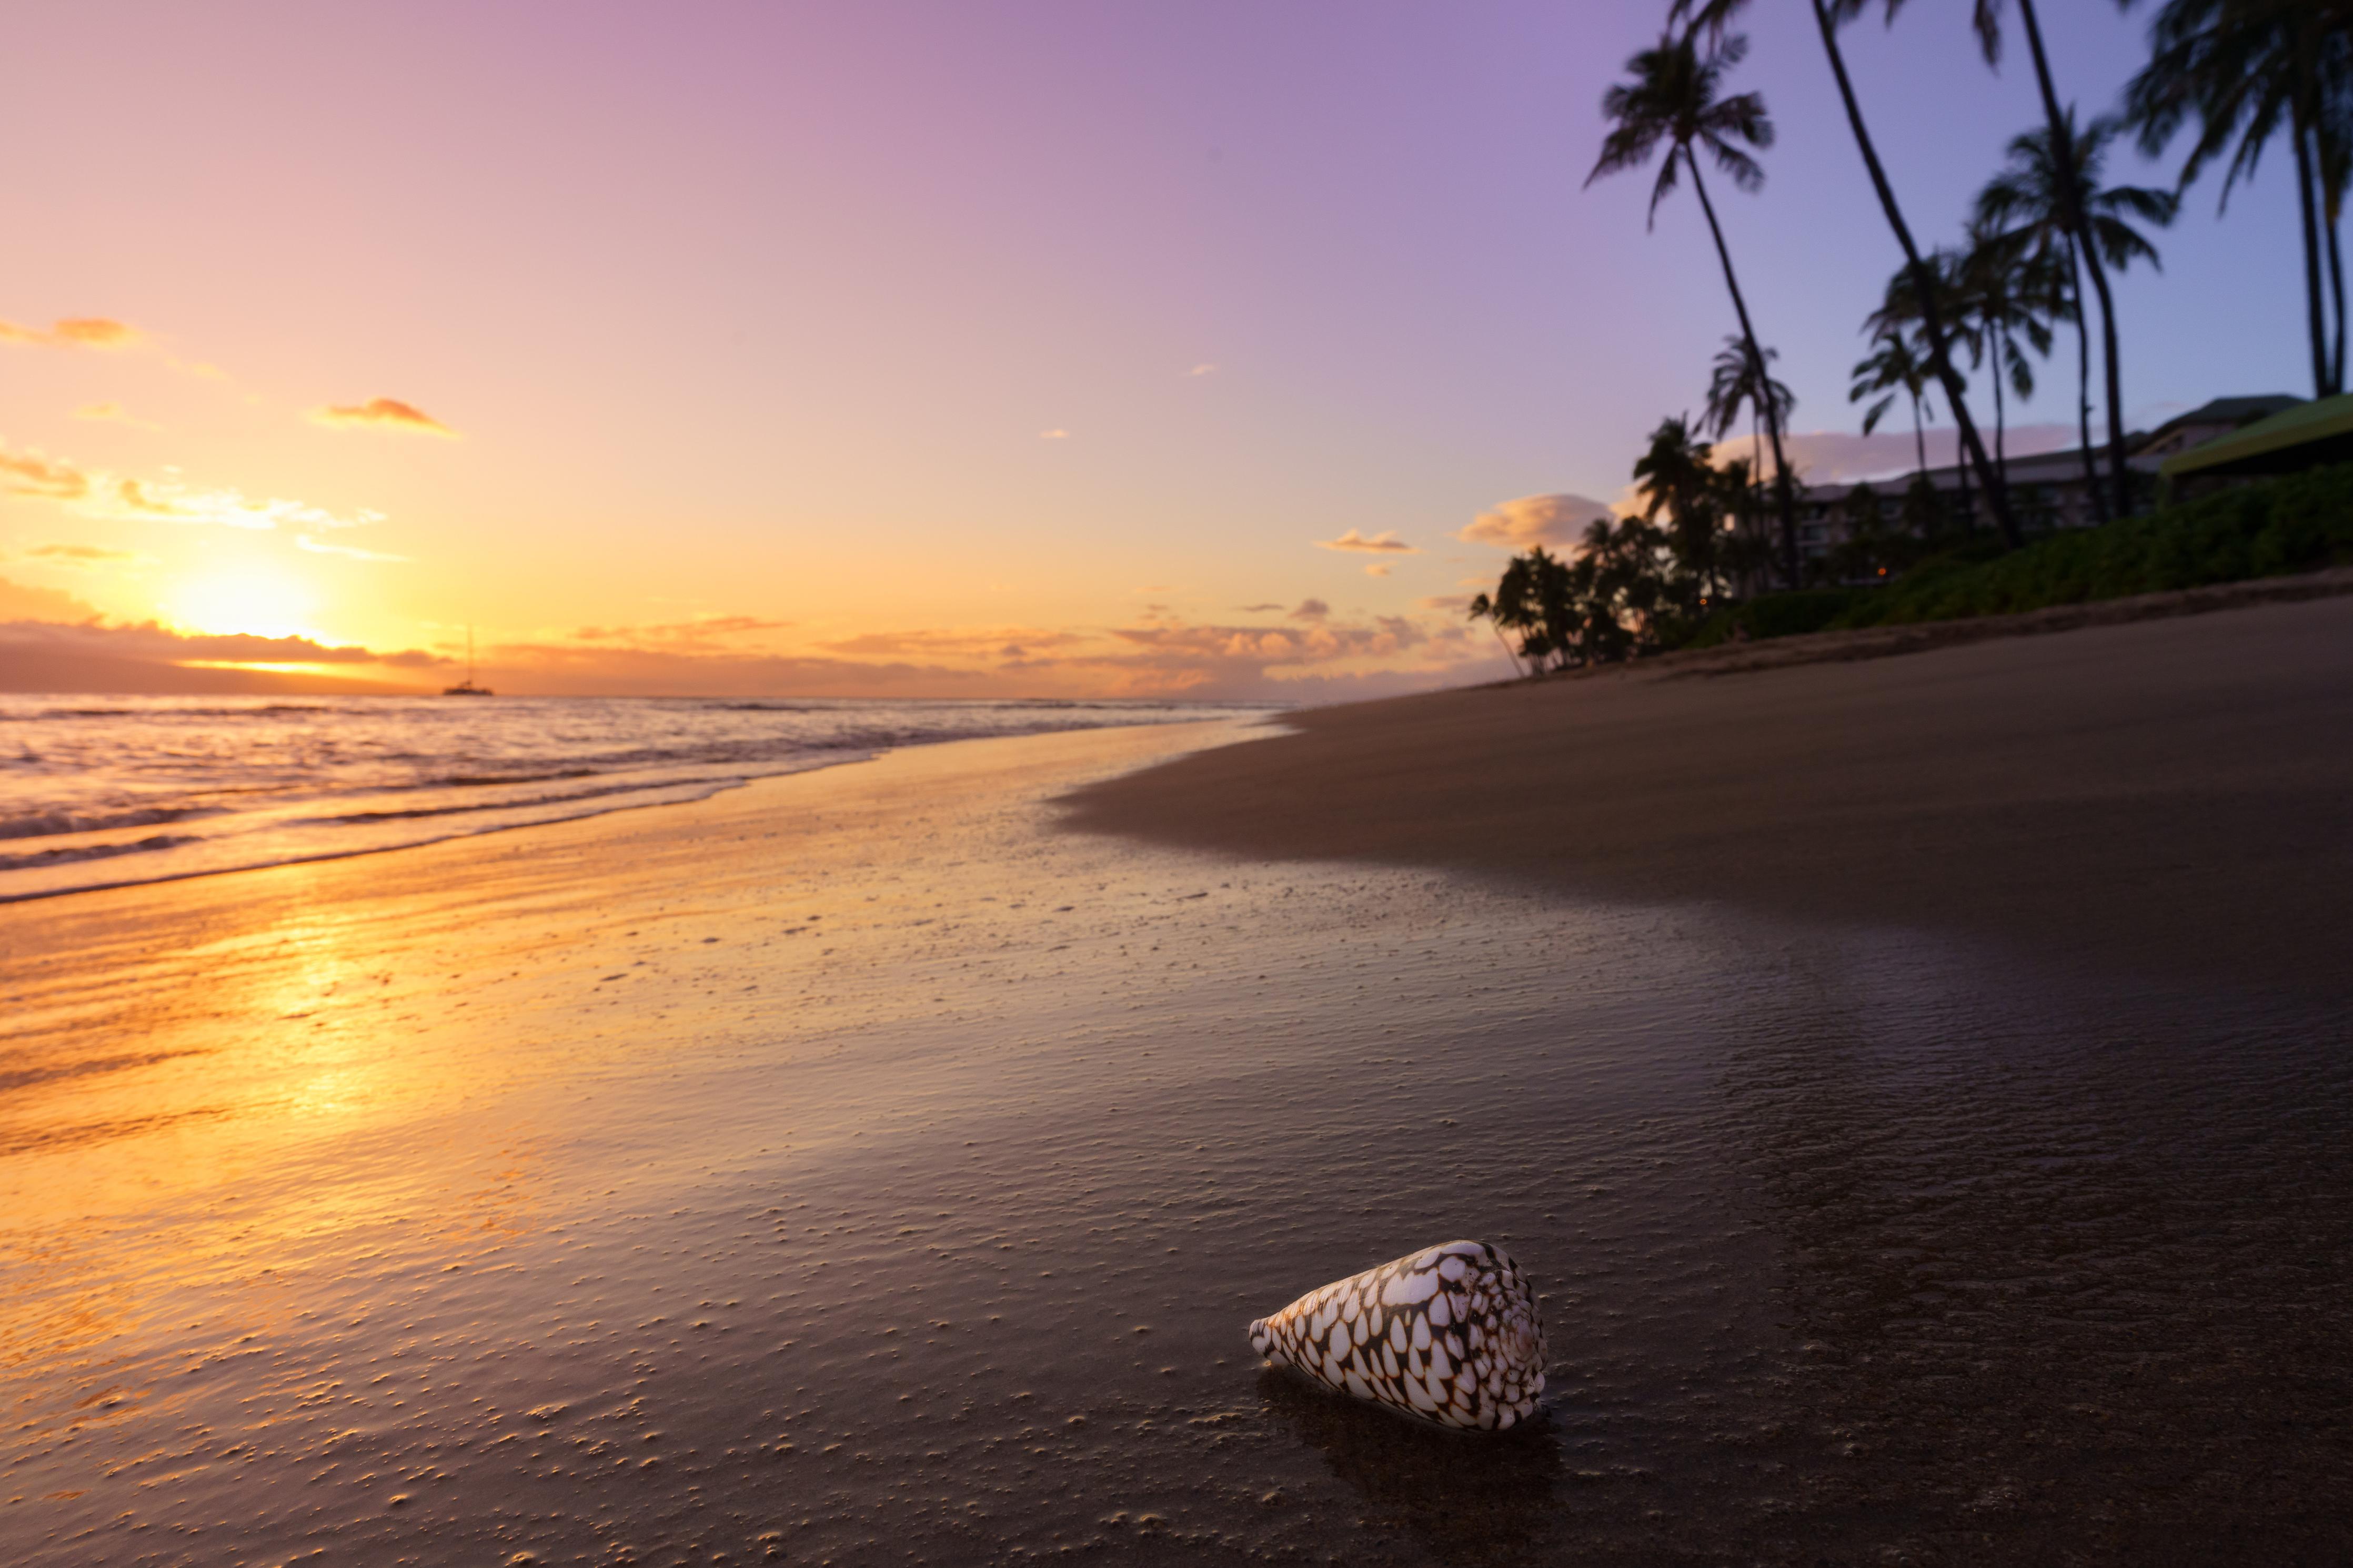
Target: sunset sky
(952,349)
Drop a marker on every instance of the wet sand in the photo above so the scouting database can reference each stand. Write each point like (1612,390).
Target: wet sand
(864,1167)
(2158,798)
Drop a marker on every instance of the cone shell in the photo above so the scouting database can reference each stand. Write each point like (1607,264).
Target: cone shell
(1449,1333)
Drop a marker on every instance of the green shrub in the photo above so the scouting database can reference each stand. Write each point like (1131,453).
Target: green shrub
(2299,523)
(1807,610)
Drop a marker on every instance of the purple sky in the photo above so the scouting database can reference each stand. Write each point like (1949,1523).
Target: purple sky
(763,310)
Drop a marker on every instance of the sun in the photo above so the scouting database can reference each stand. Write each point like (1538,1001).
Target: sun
(255,600)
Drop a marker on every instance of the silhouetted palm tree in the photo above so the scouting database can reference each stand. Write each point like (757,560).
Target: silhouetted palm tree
(1894,368)
(1902,312)
(2076,212)
(2024,205)
(1739,382)
(1829,16)
(2011,295)
(1672,101)
(1747,555)
(2247,70)
(1677,475)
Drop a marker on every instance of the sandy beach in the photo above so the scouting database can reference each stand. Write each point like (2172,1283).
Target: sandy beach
(2166,798)
(1919,1090)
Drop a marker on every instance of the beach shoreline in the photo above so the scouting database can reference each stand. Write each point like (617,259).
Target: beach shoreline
(2172,795)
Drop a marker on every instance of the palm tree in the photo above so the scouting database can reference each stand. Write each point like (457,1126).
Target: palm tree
(2025,207)
(1747,555)
(2333,162)
(2075,213)
(2011,295)
(1894,368)
(1677,475)
(1734,384)
(1829,16)
(2245,70)
(1672,100)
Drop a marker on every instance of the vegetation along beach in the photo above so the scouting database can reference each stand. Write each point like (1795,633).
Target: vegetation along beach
(1463,785)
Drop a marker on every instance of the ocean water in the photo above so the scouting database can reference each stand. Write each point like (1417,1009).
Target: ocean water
(98,792)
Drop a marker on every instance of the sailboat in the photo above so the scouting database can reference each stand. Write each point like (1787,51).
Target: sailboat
(467,688)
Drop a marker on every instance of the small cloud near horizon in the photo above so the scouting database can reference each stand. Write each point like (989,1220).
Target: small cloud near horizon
(23,602)
(1387,543)
(81,555)
(1258,609)
(382,414)
(99,494)
(151,641)
(1377,569)
(1053,435)
(1203,370)
(33,473)
(1311,610)
(100,332)
(1558,521)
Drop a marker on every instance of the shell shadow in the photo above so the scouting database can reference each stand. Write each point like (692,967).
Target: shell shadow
(1466,1496)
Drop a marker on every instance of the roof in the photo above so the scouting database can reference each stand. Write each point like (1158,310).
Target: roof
(2232,411)
(2320,431)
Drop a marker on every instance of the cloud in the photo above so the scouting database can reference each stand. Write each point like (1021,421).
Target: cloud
(113,413)
(983,642)
(382,414)
(31,474)
(1158,655)
(22,602)
(1552,519)
(1445,604)
(1385,542)
(81,555)
(1203,370)
(304,542)
(1053,435)
(1258,609)
(1377,569)
(1208,655)
(171,501)
(75,333)
(152,642)
(708,633)
(1311,610)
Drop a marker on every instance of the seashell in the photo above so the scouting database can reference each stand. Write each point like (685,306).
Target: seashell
(1449,1333)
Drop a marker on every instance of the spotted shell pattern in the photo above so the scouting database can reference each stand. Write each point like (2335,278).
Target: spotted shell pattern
(1449,1333)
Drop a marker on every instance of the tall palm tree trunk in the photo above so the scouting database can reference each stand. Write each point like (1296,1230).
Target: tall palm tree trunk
(2331,204)
(2337,294)
(2099,497)
(2001,417)
(2306,178)
(2000,452)
(1924,279)
(1968,502)
(1787,503)
(2071,194)
(1920,437)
